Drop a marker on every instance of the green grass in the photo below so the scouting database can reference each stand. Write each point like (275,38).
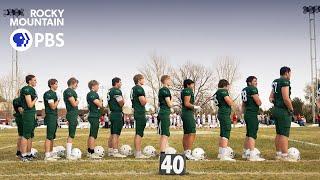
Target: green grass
(129,168)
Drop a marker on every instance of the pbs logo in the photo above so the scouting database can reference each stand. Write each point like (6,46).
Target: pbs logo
(22,39)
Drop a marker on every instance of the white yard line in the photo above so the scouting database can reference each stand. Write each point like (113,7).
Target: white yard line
(135,160)
(154,173)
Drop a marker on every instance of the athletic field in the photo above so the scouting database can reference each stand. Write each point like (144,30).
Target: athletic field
(307,140)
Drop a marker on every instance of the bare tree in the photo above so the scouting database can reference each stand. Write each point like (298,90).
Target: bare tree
(152,72)
(8,91)
(203,78)
(227,68)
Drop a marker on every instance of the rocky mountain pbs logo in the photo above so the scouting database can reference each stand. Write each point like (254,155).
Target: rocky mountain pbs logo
(21,39)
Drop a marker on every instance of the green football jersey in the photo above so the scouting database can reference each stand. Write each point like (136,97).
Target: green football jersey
(50,97)
(136,92)
(66,95)
(277,85)
(113,94)
(164,92)
(28,90)
(247,99)
(218,99)
(187,92)
(93,108)
(16,105)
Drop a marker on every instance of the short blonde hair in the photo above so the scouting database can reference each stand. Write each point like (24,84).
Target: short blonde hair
(137,78)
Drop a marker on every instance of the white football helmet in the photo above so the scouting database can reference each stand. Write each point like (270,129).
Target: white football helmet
(126,150)
(150,151)
(170,150)
(230,152)
(59,150)
(76,152)
(294,153)
(34,152)
(198,154)
(99,150)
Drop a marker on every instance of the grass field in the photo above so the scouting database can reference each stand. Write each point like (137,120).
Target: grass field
(307,140)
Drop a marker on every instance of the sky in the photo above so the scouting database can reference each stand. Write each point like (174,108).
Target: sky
(108,38)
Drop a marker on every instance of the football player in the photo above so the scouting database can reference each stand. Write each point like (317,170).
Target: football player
(222,99)
(51,101)
(165,103)
(70,98)
(250,108)
(94,105)
(282,112)
(139,101)
(115,102)
(189,124)
(29,98)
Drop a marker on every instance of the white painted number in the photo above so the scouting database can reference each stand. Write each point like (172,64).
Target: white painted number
(173,164)
(176,160)
(244,96)
(166,164)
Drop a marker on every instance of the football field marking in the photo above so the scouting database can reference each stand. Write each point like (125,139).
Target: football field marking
(132,160)
(61,174)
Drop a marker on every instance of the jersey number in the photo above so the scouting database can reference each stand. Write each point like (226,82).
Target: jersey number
(244,96)
(274,86)
(215,100)
(131,95)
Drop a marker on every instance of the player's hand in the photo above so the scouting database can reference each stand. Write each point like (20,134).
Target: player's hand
(196,108)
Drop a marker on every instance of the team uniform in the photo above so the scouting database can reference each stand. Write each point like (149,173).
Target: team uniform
(251,111)
(164,113)
(94,114)
(116,116)
(139,110)
(223,112)
(18,116)
(29,114)
(51,115)
(187,116)
(72,112)
(280,112)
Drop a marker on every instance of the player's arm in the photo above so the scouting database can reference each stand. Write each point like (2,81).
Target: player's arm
(229,101)
(271,97)
(73,102)
(243,107)
(98,103)
(187,102)
(257,99)
(169,101)
(29,101)
(143,100)
(120,100)
(53,105)
(286,98)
